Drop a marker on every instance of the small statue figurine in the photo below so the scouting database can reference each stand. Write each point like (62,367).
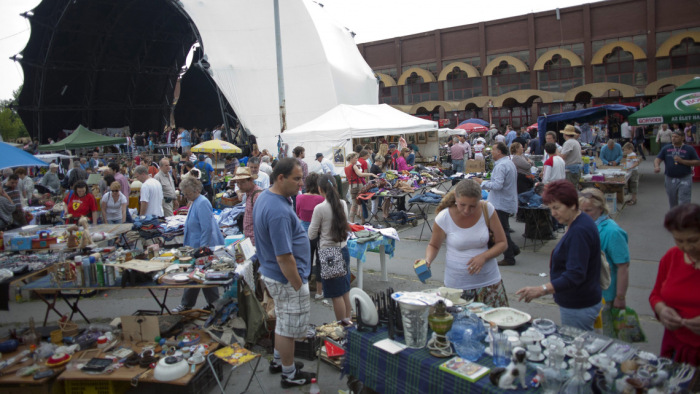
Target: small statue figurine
(504,377)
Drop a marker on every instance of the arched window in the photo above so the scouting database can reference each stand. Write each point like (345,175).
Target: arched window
(559,76)
(683,59)
(458,85)
(388,94)
(416,90)
(621,67)
(506,79)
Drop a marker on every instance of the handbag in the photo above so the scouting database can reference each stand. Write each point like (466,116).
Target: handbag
(484,209)
(332,263)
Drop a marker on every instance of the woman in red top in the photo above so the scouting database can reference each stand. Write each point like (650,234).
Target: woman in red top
(80,203)
(305,209)
(674,298)
(355,177)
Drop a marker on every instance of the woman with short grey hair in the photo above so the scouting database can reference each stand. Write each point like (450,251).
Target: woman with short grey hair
(201,230)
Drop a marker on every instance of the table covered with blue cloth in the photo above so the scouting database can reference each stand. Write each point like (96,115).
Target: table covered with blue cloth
(411,370)
(358,250)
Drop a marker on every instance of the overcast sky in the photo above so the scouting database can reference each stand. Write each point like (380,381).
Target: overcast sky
(371,20)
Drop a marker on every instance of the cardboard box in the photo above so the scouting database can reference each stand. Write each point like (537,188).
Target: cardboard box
(471,166)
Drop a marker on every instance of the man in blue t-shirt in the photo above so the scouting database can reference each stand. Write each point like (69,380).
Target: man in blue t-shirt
(206,171)
(283,251)
(679,160)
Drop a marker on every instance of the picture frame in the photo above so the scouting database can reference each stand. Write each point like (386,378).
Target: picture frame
(422,138)
(411,138)
(338,156)
(433,135)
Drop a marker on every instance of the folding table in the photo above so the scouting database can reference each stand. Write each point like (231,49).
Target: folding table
(44,286)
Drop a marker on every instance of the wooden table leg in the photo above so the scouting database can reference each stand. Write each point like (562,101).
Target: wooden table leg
(161,304)
(49,306)
(74,306)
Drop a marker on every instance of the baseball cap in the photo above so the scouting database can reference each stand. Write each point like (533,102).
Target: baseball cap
(53,165)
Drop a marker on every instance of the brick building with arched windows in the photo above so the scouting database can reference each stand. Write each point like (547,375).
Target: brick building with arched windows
(509,71)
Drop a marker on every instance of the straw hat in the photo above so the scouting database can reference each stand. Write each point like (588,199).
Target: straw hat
(568,130)
(243,173)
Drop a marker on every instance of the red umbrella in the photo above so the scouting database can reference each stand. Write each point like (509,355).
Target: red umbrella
(532,127)
(472,128)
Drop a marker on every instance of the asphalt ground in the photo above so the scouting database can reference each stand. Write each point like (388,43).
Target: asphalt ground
(648,241)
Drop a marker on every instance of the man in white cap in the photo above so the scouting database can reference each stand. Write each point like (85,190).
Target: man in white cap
(571,153)
(50,179)
(245,180)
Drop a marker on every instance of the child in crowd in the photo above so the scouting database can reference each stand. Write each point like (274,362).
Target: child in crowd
(632,176)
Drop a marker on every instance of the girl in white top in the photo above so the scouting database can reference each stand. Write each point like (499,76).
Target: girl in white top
(479,149)
(470,264)
(329,223)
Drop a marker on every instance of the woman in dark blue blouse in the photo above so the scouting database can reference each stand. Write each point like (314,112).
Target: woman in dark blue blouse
(575,263)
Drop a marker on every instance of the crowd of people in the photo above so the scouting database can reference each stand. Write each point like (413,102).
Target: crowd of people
(299,219)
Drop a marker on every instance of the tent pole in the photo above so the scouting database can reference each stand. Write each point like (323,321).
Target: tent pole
(280,69)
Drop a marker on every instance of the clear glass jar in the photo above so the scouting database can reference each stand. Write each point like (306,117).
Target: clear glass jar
(577,383)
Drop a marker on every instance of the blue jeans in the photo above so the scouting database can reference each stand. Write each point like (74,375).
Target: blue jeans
(582,318)
(458,165)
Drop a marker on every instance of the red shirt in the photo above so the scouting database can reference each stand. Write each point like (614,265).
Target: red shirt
(363,164)
(81,206)
(306,204)
(352,177)
(674,286)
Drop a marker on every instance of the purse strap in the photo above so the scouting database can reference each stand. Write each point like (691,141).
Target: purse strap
(484,209)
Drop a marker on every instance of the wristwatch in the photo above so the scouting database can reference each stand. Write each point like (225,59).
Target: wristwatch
(544,287)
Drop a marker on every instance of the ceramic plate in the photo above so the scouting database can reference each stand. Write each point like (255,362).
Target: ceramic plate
(506,317)
(587,365)
(571,352)
(476,307)
(596,362)
(369,311)
(536,360)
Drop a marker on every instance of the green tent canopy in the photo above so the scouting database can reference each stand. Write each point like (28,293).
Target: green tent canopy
(82,138)
(680,106)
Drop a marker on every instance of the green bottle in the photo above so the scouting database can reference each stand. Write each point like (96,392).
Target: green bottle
(100,273)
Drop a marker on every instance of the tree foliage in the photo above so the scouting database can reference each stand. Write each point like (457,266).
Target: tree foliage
(11,125)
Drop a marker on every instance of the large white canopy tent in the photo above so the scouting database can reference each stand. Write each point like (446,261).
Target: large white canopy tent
(322,65)
(337,128)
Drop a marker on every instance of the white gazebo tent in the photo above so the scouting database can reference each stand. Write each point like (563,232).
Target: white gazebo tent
(337,127)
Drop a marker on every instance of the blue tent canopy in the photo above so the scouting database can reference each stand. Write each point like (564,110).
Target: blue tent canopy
(11,157)
(550,122)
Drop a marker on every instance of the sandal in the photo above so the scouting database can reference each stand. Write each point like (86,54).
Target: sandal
(631,202)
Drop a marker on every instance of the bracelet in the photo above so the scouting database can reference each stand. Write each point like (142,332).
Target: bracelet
(544,287)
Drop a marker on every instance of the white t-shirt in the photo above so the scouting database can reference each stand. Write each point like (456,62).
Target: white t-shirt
(217,134)
(554,172)
(463,244)
(500,138)
(263,180)
(266,168)
(114,209)
(625,130)
(152,193)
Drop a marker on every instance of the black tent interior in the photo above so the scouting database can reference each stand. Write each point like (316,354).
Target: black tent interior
(106,63)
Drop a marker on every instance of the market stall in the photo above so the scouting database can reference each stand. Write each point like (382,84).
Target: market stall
(81,138)
(333,132)
(434,341)
(151,350)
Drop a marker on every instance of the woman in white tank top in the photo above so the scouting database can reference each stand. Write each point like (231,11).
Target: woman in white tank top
(470,264)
